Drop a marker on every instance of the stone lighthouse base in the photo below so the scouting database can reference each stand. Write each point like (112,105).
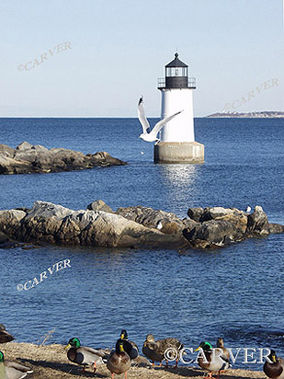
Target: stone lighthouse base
(178,152)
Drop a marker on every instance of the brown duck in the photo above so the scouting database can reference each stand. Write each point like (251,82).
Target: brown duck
(119,361)
(155,350)
(220,345)
(4,335)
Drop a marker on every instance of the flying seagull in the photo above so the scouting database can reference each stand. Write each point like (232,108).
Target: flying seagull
(151,135)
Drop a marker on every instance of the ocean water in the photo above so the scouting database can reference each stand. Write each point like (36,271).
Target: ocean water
(235,292)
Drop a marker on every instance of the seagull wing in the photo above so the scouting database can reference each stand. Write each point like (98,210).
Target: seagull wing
(141,115)
(162,122)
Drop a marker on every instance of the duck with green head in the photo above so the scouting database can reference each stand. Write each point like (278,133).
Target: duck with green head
(119,361)
(211,360)
(275,368)
(4,335)
(83,355)
(12,370)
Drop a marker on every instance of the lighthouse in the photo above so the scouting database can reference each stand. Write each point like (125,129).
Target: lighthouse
(177,141)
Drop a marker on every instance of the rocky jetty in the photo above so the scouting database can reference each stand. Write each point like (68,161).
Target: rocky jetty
(132,227)
(54,224)
(27,159)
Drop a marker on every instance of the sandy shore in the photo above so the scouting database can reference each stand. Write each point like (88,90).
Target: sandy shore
(51,362)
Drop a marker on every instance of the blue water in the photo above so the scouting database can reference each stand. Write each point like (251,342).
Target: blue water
(235,292)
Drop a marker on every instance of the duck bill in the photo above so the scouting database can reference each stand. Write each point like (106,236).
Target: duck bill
(67,347)
(198,348)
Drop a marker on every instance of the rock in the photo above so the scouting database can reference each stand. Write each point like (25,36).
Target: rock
(190,224)
(10,221)
(219,232)
(166,222)
(258,223)
(99,205)
(9,165)
(195,213)
(104,159)
(129,227)
(3,238)
(51,223)
(7,243)
(6,151)
(27,158)
(276,228)
(211,213)
(39,148)
(24,146)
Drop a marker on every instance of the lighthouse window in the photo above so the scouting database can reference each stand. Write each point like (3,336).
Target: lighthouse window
(176,71)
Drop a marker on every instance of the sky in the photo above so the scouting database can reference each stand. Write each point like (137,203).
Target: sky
(95,58)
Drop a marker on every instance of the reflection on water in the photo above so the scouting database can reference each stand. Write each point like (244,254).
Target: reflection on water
(178,174)
(179,183)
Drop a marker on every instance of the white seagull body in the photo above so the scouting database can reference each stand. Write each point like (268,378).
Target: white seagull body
(151,135)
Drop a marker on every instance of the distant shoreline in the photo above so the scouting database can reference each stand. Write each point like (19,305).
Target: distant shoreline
(268,114)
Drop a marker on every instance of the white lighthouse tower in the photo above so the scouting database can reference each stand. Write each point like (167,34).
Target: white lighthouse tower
(177,142)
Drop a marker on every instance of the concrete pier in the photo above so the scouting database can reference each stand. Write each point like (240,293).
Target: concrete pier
(179,152)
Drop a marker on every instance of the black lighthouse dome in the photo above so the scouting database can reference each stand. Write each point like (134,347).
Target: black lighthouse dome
(176,75)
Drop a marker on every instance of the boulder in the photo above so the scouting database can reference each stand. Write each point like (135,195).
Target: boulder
(6,151)
(24,146)
(195,213)
(99,205)
(27,158)
(258,223)
(217,232)
(10,165)
(3,238)
(51,223)
(39,148)
(276,228)
(210,213)
(166,222)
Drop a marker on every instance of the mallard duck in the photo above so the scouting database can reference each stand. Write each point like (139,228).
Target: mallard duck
(84,356)
(275,369)
(129,347)
(12,370)
(220,345)
(4,335)
(155,350)
(213,361)
(119,361)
